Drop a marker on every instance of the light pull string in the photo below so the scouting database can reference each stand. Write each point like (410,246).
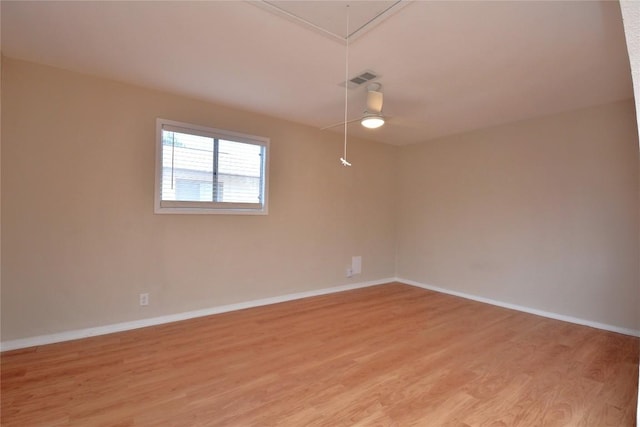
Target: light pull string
(346,92)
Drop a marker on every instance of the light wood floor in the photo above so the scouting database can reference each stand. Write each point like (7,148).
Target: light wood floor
(390,355)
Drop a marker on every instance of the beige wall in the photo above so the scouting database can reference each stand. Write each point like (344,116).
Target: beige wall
(80,240)
(542,213)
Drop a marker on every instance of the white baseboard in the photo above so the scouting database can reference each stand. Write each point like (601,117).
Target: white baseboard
(126,326)
(556,316)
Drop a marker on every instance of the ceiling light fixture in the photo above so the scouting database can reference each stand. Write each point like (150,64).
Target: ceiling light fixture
(372,117)
(372,121)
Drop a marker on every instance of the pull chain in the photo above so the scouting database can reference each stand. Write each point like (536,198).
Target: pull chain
(346,92)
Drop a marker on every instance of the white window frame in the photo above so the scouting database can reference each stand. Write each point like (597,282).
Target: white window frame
(188,207)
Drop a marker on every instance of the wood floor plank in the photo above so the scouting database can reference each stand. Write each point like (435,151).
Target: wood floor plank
(389,355)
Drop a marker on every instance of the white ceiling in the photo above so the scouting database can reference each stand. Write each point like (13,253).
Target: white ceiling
(445,67)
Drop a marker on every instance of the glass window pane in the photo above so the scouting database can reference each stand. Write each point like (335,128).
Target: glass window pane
(187,167)
(239,170)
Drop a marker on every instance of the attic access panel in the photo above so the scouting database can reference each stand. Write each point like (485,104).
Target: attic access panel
(330,17)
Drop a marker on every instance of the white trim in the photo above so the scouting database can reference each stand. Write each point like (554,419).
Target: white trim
(143,323)
(550,315)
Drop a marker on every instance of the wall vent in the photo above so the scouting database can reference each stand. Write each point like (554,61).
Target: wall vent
(360,79)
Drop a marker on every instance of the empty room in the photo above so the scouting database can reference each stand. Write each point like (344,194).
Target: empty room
(319,213)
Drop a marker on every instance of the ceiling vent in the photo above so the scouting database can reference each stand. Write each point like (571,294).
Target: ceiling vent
(360,79)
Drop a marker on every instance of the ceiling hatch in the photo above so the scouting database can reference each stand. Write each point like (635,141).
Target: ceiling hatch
(329,17)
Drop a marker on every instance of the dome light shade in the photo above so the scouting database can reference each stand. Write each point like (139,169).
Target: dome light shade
(372,121)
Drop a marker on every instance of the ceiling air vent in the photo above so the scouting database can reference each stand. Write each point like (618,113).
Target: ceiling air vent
(360,79)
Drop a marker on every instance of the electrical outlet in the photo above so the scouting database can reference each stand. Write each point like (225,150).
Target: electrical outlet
(349,272)
(144,299)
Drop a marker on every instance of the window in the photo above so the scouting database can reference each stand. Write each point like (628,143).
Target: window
(204,170)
